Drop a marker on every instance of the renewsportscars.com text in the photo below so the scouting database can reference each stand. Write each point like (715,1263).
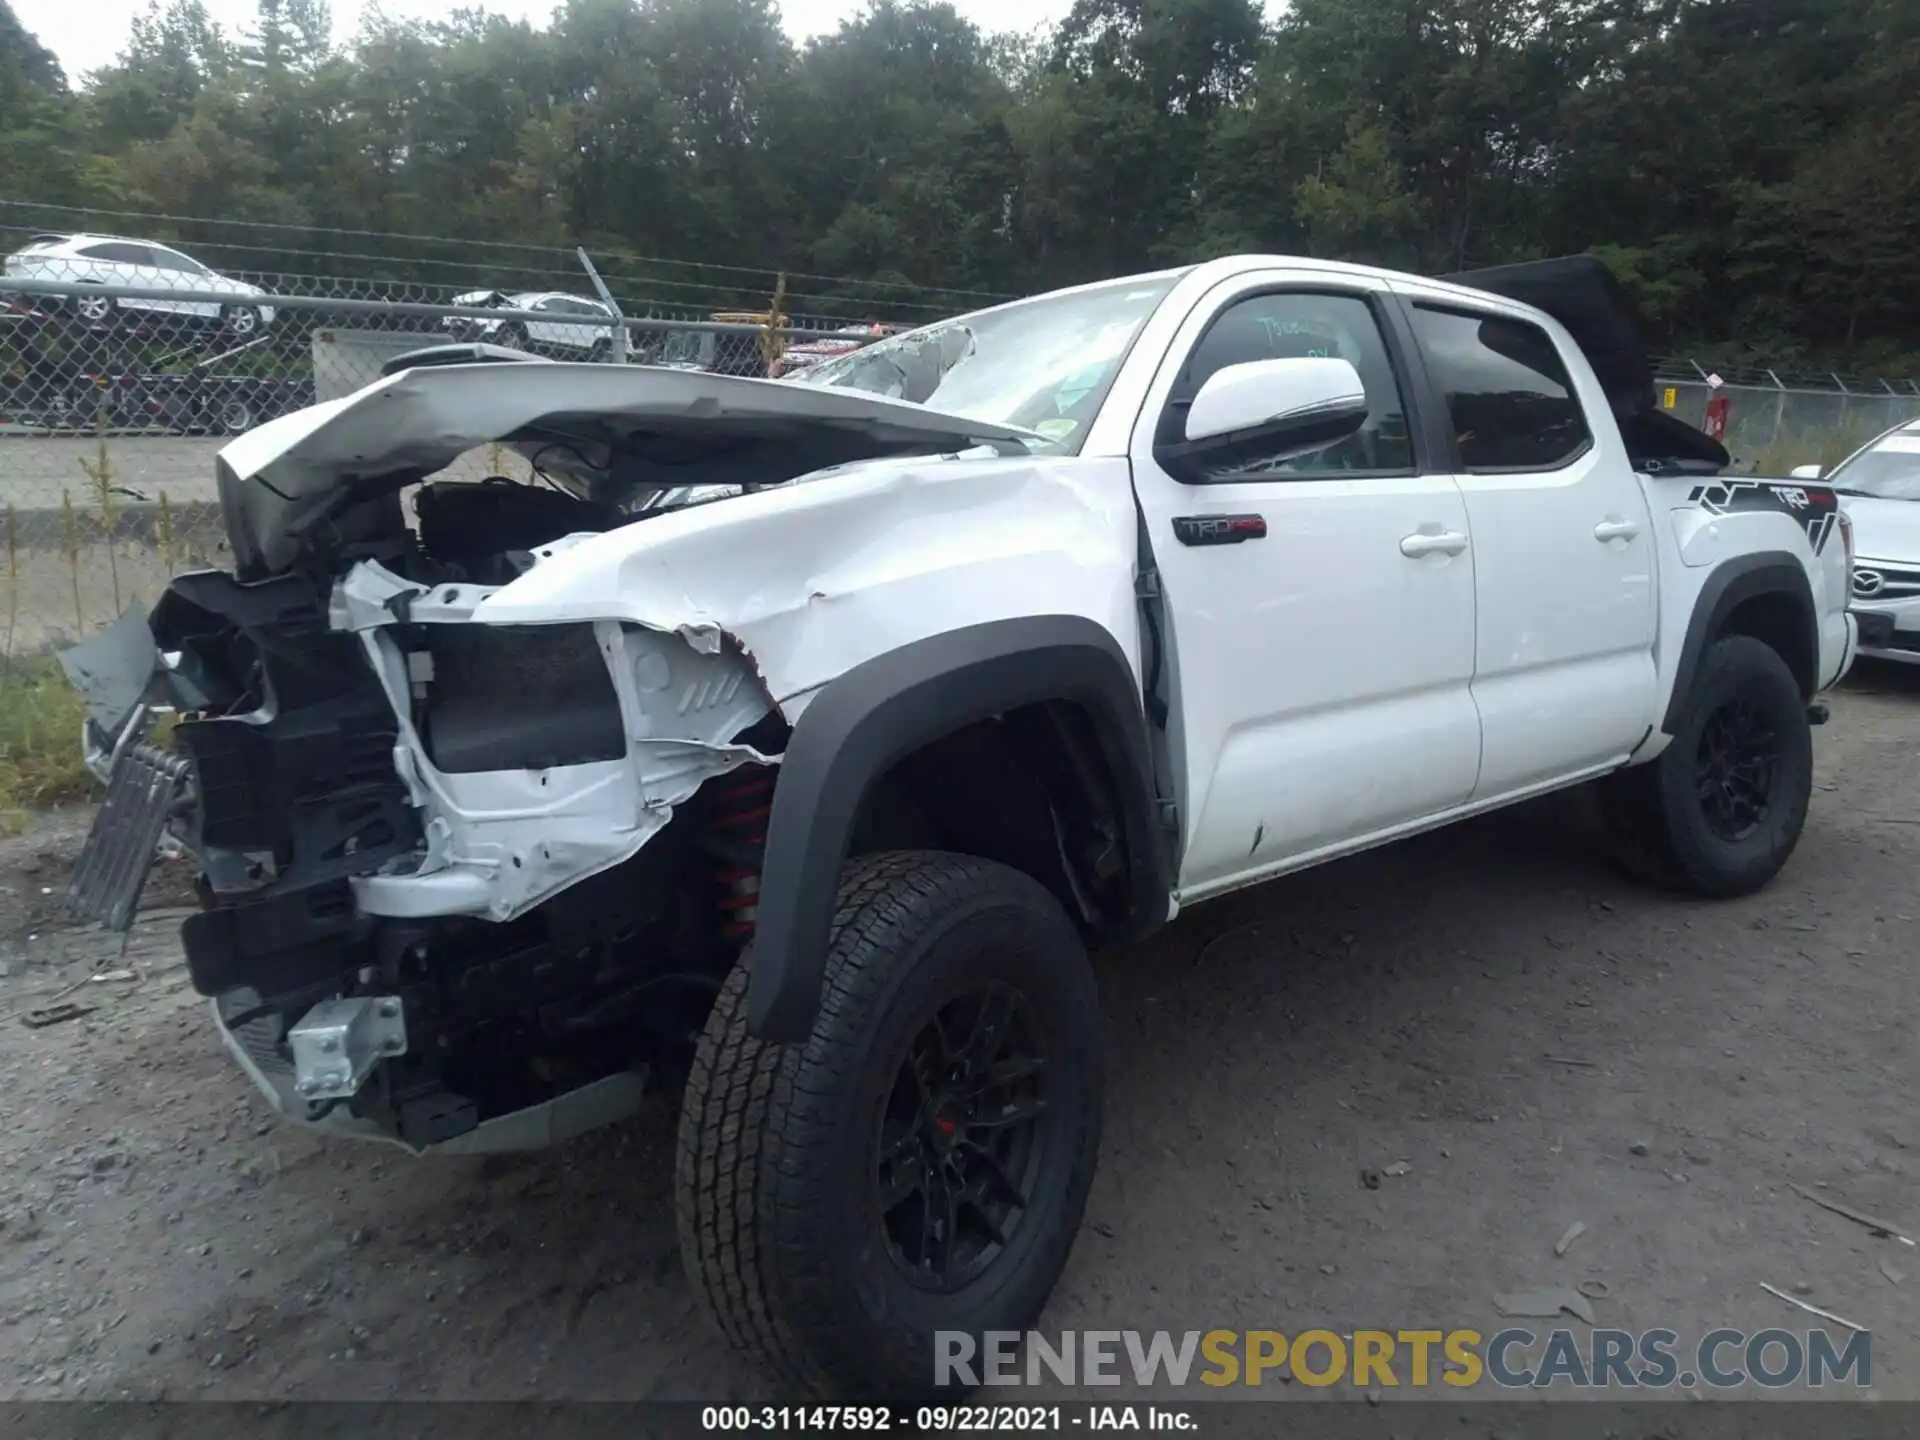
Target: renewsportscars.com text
(1514,1358)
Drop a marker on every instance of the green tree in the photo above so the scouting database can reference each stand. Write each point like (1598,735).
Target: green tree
(1745,165)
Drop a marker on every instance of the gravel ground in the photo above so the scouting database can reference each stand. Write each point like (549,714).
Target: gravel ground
(164,1235)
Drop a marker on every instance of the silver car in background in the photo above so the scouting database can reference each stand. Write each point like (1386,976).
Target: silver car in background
(117,260)
(569,327)
(1879,488)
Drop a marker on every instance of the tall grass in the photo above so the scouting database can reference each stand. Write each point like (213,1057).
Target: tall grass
(40,719)
(1825,448)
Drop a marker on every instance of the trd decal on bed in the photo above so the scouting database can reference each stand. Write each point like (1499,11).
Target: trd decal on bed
(1815,507)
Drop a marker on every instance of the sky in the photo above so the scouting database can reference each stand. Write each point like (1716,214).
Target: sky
(86,34)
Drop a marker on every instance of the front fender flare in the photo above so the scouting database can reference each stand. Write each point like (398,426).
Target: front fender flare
(855,730)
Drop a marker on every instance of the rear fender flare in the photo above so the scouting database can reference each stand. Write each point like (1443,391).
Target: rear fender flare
(855,730)
(1731,584)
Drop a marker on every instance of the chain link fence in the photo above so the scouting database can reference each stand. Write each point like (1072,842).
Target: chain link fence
(124,366)
(1776,420)
(125,363)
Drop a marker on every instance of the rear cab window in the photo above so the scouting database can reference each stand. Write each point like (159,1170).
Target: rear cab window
(1510,399)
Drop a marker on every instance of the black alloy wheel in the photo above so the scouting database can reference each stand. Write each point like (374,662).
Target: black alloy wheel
(961,1139)
(1735,769)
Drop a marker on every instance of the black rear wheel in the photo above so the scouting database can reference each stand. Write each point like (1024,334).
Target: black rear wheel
(1721,810)
(921,1163)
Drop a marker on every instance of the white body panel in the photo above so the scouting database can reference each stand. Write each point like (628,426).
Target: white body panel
(814,578)
(1564,579)
(1322,676)
(1398,651)
(806,581)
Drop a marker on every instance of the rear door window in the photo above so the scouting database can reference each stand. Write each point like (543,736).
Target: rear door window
(1509,396)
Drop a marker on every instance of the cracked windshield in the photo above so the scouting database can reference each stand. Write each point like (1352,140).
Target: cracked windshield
(1041,365)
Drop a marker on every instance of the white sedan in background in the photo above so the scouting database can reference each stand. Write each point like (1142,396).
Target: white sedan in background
(1879,488)
(88,261)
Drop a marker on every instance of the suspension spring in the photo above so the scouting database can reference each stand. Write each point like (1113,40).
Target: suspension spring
(739,821)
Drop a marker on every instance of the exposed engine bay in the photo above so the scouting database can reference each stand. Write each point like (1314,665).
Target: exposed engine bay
(393,813)
(477,790)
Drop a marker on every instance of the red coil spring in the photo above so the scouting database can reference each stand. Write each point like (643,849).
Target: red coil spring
(741,808)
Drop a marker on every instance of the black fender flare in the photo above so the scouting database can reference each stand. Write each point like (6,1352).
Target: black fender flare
(1731,584)
(882,710)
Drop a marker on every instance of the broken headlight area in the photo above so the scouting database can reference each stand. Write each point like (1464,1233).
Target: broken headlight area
(456,879)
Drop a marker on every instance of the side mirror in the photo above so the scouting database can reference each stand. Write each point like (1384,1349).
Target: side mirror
(1265,411)
(1806,472)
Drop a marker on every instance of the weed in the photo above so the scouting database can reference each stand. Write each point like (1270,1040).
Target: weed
(1825,448)
(40,722)
(100,477)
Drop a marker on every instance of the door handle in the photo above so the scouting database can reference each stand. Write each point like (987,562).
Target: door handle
(1615,530)
(1439,542)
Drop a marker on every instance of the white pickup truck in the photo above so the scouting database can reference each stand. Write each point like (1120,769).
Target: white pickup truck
(1014,636)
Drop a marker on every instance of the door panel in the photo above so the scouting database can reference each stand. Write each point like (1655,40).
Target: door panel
(1564,676)
(1322,670)
(1324,676)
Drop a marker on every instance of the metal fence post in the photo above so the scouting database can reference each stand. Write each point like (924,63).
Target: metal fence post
(618,353)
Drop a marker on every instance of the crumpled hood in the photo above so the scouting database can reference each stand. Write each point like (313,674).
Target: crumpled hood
(601,427)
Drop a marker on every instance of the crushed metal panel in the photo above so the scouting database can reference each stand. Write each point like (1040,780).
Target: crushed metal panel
(811,579)
(112,670)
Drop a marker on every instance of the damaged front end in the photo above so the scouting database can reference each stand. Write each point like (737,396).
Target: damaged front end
(476,843)
(438,901)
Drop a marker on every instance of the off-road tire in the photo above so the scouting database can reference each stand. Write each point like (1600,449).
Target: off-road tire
(1659,823)
(777,1193)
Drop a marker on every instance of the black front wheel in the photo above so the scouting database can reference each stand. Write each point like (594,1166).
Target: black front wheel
(1721,810)
(921,1163)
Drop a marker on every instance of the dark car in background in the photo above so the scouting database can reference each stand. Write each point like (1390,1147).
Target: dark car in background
(193,402)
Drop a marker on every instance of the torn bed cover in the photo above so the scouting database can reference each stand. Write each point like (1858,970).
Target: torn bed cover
(589,425)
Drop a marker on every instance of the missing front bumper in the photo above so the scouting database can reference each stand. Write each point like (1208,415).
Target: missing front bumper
(255,1046)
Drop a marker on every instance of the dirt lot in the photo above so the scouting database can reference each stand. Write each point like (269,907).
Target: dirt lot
(165,1236)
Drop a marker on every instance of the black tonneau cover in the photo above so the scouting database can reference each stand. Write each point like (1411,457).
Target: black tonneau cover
(1585,296)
